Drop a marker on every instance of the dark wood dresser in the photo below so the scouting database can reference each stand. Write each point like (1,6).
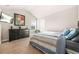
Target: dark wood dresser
(15,34)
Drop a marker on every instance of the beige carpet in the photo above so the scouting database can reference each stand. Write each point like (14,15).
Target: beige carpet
(20,46)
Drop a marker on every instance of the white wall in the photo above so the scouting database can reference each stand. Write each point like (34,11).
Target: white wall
(78,12)
(63,19)
(6,26)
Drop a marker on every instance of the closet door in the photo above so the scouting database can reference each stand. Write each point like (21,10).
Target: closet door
(0,33)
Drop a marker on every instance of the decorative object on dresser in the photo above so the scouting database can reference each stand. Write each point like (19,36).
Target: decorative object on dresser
(15,34)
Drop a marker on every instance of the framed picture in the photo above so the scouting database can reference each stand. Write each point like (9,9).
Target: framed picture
(19,20)
(6,18)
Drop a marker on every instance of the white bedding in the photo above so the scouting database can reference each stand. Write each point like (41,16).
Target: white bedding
(46,37)
(47,33)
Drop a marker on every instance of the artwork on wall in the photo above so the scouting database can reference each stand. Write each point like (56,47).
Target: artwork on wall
(6,18)
(19,20)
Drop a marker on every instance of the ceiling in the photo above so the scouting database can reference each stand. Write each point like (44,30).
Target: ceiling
(40,11)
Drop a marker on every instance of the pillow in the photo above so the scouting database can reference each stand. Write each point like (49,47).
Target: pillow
(73,33)
(65,32)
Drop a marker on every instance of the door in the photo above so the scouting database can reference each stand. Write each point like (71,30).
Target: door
(0,33)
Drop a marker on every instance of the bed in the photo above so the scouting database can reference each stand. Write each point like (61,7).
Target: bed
(45,41)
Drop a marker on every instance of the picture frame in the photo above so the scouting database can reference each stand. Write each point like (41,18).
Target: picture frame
(19,20)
